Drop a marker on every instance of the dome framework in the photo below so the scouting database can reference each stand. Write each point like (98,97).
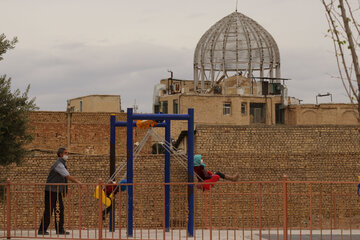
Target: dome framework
(235,44)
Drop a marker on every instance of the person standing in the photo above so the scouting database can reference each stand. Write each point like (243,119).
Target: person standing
(54,194)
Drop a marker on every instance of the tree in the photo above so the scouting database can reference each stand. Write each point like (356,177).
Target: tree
(344,29)
(14,115)
(6,44)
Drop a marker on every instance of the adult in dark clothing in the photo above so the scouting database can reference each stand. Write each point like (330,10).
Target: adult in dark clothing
(204,175)
(54,194)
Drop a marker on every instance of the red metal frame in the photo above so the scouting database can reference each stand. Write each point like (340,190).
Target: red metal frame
(256,211)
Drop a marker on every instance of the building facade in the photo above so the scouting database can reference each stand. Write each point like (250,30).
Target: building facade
(95,103)
(237,81)
(251,106)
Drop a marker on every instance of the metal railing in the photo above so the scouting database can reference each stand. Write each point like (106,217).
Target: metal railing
(281,210)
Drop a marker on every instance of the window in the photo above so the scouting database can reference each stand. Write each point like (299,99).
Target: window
(156,108)
(243,108)
(227,108)
(175,106)
(164,106)
(81,105)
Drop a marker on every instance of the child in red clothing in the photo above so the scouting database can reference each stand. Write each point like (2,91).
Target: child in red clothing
(108,190)
(208,177)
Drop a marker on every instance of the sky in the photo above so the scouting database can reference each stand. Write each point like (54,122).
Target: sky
(70,48)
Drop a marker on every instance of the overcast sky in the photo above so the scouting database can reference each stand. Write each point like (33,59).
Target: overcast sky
(73,48)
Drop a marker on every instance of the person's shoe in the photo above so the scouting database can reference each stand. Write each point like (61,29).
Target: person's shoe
(233,178)
(43,233)
(236,177)
(63,232)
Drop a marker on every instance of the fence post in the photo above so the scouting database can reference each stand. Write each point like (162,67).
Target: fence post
(8,210)
(335,214)
(260,212)
(210,213)
(285,208)
(311,220)
(164,210)
(100,208)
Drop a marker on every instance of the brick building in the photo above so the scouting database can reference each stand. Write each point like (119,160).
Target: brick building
(95,103)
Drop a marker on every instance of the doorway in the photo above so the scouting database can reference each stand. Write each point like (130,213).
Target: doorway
(279,114)
(257,113)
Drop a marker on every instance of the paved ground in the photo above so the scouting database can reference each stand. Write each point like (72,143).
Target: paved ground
(200,234)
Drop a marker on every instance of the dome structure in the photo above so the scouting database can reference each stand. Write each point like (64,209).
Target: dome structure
(235,44)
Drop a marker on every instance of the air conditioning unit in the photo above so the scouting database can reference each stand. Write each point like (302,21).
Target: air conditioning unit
(276,88)
(217,89)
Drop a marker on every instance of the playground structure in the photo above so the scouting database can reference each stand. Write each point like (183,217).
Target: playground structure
(146,121)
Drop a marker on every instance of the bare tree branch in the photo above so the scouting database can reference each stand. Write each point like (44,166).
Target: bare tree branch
(345,32)
(348,93)
(338,48)
(352,17)
(351,45)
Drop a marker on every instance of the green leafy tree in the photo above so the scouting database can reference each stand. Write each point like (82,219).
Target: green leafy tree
(6,44)
(14,115)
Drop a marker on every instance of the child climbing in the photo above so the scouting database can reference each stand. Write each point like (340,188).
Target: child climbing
(208,177)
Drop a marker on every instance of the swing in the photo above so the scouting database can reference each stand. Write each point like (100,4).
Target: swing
(182,158)
(106,200)
(145,124)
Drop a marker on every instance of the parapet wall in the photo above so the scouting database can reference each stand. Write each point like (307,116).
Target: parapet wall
(83,133)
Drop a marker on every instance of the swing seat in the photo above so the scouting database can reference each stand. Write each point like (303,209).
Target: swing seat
(105,200)
(145,124)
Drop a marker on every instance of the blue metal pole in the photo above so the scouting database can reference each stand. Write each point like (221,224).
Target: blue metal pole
(160,117)
(167,176)
(112,167)
(112,216)
(191,172)
(129,166)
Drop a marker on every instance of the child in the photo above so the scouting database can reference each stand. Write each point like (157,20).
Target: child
(110,189)
(206,176)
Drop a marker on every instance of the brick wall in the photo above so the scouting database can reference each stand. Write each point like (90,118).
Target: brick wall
(267,153)
(258,153)
(83,133)
(88,169)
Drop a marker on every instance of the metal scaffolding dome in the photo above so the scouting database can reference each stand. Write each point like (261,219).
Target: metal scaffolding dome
(235,44)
